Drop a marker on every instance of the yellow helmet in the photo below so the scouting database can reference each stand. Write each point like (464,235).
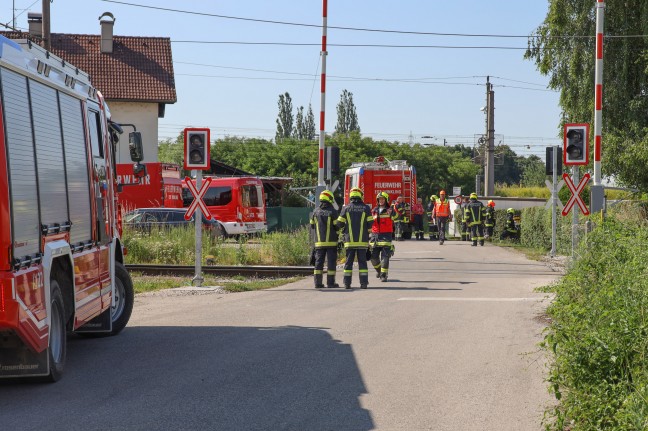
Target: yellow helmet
(383,195)
(326,196)
(355,194)
(358,189)
(510,211)
(473,195)
(434,197)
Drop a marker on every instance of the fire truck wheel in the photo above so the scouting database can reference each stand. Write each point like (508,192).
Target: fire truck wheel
(220,232)
(124,298)
(58,337)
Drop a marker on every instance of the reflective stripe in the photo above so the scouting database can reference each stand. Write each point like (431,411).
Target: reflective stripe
(370,218)
(330,271)
(384,270)
(317,272)
(341,219)
(326,244)
(350,226)
(356,244)
(362,271)
(328,228)
(348,271)
(383,243)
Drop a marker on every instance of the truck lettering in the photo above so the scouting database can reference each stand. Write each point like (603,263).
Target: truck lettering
(389,186)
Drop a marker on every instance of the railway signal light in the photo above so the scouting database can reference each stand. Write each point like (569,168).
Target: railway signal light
(196,149)
(575,145)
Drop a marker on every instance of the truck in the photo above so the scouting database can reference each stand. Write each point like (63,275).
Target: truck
(161,186)
(395,177)
(238,203)
(61,256)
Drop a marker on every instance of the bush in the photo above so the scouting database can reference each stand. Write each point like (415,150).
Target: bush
(599,333)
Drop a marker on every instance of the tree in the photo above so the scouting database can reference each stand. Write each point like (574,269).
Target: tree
(563,48)
(533,171)
(299,130)
(285,118)
(309,124)
(347,119)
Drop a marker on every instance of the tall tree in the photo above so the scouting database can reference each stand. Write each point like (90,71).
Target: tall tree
(299,131)
(347,119)
(563,47)
(285,118)
(309,124)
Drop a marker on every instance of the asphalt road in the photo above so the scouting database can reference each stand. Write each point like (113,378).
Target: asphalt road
(449,343)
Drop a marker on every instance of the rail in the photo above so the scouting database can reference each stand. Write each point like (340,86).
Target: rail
(245,271)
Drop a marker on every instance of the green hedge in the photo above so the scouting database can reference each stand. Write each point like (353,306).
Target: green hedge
(598,335)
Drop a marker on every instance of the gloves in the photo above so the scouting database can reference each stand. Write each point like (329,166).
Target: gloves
(392,250)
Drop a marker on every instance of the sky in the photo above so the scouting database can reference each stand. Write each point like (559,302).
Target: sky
(401,92)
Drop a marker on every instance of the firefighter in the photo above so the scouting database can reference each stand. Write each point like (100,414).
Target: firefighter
(442,215)
(417,212)
(474,216)
(433,230)
(355,220)
(465,230)
(326,239)
(382,231)
(398,208)
(511,229)
(489,220)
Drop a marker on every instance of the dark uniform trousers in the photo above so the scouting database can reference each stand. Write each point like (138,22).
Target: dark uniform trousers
(380,253)
(442,222)
(351,253)
(330,255)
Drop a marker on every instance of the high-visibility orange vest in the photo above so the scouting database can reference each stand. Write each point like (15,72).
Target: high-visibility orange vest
(442,209)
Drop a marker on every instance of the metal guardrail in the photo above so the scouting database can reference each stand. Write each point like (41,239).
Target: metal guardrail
(245,271)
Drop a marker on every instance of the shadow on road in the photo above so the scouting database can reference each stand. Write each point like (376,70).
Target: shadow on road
(197,378)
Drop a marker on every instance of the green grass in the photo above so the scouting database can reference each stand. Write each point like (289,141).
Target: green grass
(143,283)
(177,247)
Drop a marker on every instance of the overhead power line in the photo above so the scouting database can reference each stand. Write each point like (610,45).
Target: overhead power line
(372,30)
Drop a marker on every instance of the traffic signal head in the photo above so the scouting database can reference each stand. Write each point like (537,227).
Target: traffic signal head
(196,149)
(575,148)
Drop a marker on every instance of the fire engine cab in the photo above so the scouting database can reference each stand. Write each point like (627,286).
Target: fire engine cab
(395,177)
(61,259)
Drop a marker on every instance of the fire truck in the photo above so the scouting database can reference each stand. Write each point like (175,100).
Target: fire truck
(395,177)
(161,186)
(61,257)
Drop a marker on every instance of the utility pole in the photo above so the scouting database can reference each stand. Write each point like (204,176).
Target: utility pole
(47,39)
(489,169)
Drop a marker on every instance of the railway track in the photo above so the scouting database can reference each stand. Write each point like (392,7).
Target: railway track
(245,271)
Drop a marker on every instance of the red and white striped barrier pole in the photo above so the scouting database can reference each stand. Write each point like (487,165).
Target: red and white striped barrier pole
(322,134)
(598,91)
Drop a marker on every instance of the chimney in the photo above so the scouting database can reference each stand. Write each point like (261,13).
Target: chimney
(107,21)
(35,20)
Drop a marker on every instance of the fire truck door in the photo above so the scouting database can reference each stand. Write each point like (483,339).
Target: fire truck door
(100,183)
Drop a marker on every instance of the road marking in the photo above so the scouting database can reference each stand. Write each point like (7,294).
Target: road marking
(428,298)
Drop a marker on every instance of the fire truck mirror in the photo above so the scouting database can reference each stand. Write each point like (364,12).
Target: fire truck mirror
(139,171)
(135,146)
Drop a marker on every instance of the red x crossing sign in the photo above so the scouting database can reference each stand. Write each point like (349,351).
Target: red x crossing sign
(198,198)
(575,197)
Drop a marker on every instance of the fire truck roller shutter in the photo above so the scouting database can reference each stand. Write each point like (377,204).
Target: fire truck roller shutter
(49,154)
(76,164)
(22,166)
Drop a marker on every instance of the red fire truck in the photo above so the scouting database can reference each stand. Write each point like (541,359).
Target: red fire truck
(61,259)
(395,177)
(238,203)
(160,187)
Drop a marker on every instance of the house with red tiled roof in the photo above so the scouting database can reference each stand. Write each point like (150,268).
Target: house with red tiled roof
(134,74)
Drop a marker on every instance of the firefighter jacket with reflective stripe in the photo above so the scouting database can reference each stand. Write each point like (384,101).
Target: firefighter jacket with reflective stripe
(510,224)
(442,208)
(474,212)
(382,220)
(355,220)
(399,211)
(489,217)
(322,220)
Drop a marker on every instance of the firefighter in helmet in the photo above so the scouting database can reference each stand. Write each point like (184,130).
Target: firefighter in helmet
(326,240)
(465,229)
(442,215)
(511,229)
(382,231)
(489,220)
(355,220)
(474,216)
(417,214)
(399,208)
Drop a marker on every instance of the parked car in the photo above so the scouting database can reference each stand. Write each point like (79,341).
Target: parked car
(146,219)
